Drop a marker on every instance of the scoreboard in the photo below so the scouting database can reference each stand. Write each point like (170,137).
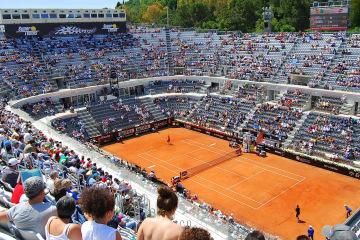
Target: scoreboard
(329,18)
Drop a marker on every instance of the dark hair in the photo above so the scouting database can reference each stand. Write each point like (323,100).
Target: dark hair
(195,234)
(97,202)
(167,200)
(59,193)
(65,207)
(255,235)
(302,237)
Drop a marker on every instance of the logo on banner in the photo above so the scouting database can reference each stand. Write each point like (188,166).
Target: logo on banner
(110,27)
(28,31)
(68,30)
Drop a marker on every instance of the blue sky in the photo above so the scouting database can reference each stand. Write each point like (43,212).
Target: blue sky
(58,3)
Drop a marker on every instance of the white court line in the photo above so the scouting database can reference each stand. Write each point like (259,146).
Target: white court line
(219,150)
(221,193)
(152,166)
(253,162)
(278,195)
(206,180)
(217,167)
(251,176)
(250,159)
(285,190)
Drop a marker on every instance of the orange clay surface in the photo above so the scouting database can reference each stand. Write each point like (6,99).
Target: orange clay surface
(260,192)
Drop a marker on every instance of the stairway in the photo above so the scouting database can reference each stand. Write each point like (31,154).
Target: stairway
(277,77)
(90,124)
(248,117)
(150,106)
(170,62)
(298,125)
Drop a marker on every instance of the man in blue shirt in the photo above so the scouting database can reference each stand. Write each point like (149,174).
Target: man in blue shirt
(311,232)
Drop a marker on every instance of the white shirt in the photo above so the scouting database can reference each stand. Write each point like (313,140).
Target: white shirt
(94,231)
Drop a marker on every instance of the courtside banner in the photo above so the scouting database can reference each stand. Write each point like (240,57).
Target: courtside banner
(130,132)
(63,29)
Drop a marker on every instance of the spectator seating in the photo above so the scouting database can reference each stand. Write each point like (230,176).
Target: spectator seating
(325,134)
(176,106)
(225,113)
(329,104)
(275,120)
(118,114)
(295,98)
(176,86)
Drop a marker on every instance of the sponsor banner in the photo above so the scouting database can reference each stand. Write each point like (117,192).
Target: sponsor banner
(142,129)
(126,133)
(211,132)
(41,29)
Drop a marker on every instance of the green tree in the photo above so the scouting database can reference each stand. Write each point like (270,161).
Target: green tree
(293,12)
(355,13)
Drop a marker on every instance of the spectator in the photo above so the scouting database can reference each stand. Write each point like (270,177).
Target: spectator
(59,228)
(195,234)
(161,227)
(255,235)
(98,204)
(10,173)
(50,182)
(311,232)
(31,215)
(339,232)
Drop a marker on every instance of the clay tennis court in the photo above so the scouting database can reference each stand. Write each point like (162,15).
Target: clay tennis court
(260,192)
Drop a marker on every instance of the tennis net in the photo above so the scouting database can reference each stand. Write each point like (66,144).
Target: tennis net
(202,167)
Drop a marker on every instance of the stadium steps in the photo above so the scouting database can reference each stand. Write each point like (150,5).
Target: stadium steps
(150,106)
(297,127)
(248,118)
(170,62)
(90,124)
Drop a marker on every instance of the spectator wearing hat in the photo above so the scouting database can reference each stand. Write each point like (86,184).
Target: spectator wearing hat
(33,214)
(10,173)
(311,232)
(58,227)
(339,232)
(7,152)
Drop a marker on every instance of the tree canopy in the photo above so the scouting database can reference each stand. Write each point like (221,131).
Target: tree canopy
(241,15)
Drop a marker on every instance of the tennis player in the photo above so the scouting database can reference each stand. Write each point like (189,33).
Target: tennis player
(168,140)
(297,210)
(348,210)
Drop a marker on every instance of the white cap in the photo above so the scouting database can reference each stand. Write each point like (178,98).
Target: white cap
(13,161)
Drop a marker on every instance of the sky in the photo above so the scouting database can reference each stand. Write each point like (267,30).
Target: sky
(58,3)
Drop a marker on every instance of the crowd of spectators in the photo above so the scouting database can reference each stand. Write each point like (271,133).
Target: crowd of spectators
(45,107)
(27,66)
(72,126)
(331,135)
(275,120)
